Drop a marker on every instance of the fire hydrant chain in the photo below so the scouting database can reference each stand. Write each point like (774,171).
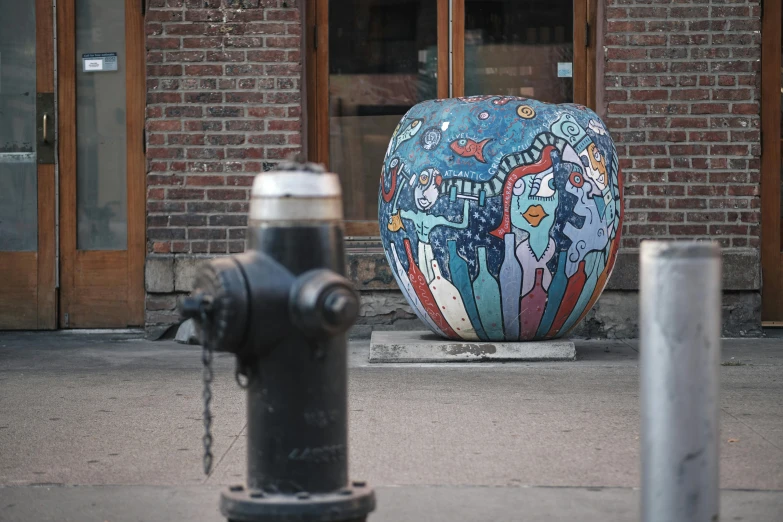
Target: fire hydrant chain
(206,359)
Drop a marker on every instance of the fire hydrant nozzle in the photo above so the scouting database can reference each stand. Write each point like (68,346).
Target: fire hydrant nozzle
(191,307)
(323,303)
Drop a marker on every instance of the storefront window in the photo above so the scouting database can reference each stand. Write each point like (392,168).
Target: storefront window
(520,48)
(382,61)
(384,56)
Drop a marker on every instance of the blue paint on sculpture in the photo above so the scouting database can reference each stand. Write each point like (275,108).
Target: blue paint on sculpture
(500,216)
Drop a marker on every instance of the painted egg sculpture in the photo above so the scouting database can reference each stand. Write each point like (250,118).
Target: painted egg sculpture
(500,216)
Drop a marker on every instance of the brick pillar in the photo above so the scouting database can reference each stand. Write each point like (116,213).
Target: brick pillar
(223,104)
(682,92)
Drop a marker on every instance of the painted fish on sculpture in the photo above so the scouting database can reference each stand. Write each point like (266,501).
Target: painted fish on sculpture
(468,148)
(409,132)
(395,222)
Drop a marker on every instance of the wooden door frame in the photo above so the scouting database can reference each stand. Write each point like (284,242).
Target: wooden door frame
(444,64)
(47,243)
(457,48)
(30,297)
(74,293)
(771,248)
(317,72)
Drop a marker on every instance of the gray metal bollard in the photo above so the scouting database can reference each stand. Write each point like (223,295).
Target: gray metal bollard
(282,308)
(680,325)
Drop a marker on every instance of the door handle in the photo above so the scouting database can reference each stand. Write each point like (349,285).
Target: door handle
(45,137)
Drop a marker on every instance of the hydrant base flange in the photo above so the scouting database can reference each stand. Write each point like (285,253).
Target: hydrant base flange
(349,504)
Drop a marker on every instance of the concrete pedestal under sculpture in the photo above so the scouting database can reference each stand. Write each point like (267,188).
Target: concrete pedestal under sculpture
(500,216)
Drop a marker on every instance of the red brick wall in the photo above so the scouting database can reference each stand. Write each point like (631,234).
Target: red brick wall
(681,93)
(682,98)
(223,104)
(681,90)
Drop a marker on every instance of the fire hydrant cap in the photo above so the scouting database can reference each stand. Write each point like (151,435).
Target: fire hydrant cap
(298,193)
(341,307)
(323,303)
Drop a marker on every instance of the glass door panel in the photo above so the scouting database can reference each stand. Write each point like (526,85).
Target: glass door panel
(520,48)
(382,61)
(101,142)
(18,169)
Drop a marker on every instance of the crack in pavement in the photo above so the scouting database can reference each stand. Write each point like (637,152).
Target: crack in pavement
(223,456)
(724,410)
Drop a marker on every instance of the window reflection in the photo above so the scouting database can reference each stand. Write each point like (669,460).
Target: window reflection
(382,61)
(18,182)
(520,48)
(101,148)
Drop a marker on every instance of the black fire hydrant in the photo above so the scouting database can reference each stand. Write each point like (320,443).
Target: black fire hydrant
(282,308)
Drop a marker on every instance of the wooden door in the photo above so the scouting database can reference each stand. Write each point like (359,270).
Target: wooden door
(101,98)
(27,174)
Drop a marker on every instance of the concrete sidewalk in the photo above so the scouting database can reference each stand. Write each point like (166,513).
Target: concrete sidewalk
(91,424)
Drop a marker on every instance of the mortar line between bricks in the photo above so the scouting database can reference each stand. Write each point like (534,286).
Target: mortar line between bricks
(223,456)
(752,429)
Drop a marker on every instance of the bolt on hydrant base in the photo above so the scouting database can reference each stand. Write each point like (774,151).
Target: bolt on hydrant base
(348,504)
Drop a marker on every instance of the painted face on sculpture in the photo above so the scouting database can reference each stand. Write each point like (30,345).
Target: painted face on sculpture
(426,191)
(534,202)
(596,166)
(580,187)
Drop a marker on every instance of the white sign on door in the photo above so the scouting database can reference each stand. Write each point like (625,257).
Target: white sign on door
(565,70)
(98,62)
